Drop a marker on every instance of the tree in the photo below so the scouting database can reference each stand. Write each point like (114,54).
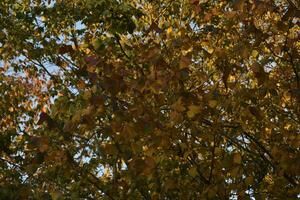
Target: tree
(161,99)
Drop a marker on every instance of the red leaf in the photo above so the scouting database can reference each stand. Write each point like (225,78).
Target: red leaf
(43,117)
(92,60)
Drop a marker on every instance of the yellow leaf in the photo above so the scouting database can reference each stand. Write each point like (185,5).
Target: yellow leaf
(193,110)
(43,18)
(212,103)
(254,53)
(287,96)
(193,171)
(55,195)
(97,42)
(207,47)
(210,50)
(269,179)
(204,44)
(11,109)
(231,78)
(287,126)
(169,31)
(268,130)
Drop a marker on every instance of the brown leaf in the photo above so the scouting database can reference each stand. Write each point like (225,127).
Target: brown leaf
(178,105)
(40,142)
(66,49)
(194,1)
(255,112)
(184,62)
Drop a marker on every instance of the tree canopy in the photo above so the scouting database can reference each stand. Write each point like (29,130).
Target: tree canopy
(160,99)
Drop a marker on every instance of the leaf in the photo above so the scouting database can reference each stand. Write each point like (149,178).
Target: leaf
(66,49)
(254,53)
(56,195)
(207,47)
(175,117)
(239,5)
(249,180)
(68,126)
(184,62)
(194,1)
(150,165)
(137,165)
(255,112)
(92,60)
(109,149)
(170,184)
(154,27)
(43,118)
(212,103)
(98,44)
(193,171)
(43,144)
(81,84)
(234,172)
(149,99)
(152,53)
(210,50)
(169,31)
(237,158)
(178,105)
(193,110)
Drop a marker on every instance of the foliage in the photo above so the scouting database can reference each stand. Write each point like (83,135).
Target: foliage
(160,99)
